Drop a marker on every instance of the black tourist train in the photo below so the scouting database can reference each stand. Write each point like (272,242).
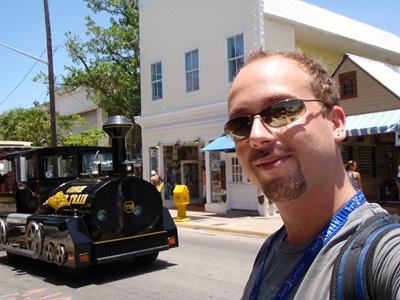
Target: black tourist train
(81,206)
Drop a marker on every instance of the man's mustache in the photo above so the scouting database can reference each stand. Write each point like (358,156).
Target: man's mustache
(277,150)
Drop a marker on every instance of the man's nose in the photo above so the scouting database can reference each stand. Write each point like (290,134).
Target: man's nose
(261,134)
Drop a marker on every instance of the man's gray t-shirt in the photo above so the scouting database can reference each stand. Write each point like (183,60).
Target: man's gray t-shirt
(315,284)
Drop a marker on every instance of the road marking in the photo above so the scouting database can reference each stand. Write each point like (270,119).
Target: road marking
(28,295)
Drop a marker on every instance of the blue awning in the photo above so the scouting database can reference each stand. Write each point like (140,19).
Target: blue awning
(373,123)
(220,144)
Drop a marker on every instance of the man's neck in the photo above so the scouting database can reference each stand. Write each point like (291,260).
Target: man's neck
(305,217)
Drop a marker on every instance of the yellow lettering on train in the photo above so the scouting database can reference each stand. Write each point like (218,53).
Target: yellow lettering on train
(76,189)
(77,198)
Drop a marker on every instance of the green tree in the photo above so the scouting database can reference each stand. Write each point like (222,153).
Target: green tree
(33,125)
(91,137)
(107,64)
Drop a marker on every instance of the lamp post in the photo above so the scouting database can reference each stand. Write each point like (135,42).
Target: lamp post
(24,53)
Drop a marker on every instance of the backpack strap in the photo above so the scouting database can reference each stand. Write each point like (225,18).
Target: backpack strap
(351,276)
(365,262)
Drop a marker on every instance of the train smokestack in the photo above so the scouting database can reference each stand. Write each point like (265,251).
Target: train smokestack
(117,127)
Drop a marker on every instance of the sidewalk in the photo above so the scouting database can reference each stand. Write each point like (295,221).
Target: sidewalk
(244,224)
(233,223)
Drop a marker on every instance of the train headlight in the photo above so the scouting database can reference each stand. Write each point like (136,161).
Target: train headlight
(128,165)
(138,211)
(102,215)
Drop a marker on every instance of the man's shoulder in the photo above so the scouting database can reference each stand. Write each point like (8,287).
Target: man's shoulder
(369,259)
(356,220)
(366,211)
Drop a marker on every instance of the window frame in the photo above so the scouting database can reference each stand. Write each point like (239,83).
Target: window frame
(192,70)
(352,75)
(236,61)
(156,81)
(237,173)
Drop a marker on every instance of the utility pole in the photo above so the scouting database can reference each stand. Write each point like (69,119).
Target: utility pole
(53,123)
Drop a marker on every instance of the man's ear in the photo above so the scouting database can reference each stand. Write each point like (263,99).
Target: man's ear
(338,119)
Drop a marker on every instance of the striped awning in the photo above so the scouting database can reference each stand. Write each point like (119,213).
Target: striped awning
(373,123)
(4,150)
(220,144)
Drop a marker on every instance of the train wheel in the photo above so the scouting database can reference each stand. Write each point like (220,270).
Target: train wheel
(146,259)
(3,234)
(60,255)
(48,252)
(34,238)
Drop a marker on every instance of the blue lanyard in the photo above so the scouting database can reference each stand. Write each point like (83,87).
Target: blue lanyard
(322,238)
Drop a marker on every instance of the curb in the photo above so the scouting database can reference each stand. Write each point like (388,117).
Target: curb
(240,231)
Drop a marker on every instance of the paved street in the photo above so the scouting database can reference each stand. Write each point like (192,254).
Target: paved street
(213,262)
(208,264)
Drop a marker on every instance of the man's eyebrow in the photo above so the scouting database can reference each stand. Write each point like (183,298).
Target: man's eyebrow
(270,100)
(239,110)
(279,97)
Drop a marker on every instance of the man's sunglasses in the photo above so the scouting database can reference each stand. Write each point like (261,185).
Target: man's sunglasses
(277,115)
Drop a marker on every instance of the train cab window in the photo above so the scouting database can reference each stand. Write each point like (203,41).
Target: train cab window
(32,168)
(92,161)
(60,166)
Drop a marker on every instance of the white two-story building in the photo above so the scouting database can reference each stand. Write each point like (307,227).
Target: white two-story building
(190,53)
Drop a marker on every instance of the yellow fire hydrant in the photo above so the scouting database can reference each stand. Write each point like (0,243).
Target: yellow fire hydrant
(181,200)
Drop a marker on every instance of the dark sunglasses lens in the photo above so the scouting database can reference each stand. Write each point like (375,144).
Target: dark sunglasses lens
(278,115)
(238,128)
(285,112)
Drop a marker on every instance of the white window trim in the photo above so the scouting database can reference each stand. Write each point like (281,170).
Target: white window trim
(192,70)
(159,80)
(245,179)
(226,53)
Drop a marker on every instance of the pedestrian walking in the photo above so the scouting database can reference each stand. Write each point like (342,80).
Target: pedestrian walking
(354,177)
(155,179)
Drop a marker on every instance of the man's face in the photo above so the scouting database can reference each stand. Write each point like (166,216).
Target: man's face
(285,162)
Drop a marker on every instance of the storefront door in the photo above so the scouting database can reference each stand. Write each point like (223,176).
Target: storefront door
(190,177)
(241,193)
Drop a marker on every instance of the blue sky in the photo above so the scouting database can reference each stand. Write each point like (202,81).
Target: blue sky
(384,14)
(23,27)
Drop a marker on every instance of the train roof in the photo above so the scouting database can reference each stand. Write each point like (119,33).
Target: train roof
(7,149)
(12,151)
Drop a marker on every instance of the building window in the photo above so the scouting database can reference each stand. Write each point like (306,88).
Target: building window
(192,71)
(156,81)
(237,172)
(235,55)
(348,85)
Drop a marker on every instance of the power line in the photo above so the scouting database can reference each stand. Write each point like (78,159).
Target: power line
(12,92)
(22,80)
